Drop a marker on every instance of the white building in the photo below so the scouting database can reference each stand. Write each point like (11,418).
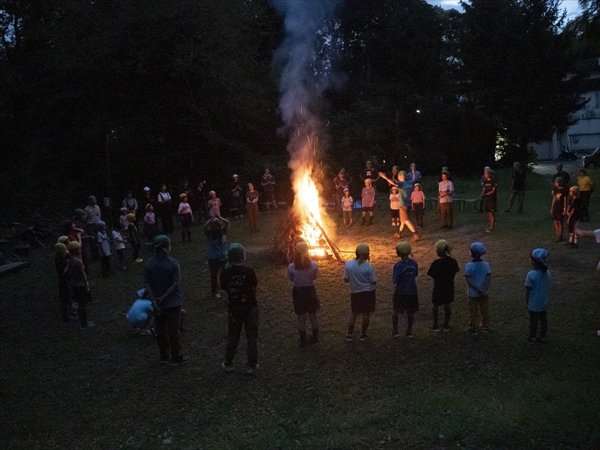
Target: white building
(584,135)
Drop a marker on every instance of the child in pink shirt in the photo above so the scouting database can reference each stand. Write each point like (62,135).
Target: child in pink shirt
(417,198)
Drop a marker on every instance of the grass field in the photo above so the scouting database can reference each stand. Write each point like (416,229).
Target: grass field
(104,388)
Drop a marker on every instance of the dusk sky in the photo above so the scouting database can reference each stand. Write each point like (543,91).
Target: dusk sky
(572,6)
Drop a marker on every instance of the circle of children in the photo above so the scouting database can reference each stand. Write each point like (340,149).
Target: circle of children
(160,302)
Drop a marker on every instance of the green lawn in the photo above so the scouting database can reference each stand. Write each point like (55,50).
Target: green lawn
(104,388)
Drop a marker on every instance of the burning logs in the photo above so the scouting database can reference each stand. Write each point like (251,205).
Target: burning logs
(293,229)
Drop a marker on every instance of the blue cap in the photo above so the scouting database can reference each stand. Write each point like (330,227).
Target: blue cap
(477,248)
(541,255)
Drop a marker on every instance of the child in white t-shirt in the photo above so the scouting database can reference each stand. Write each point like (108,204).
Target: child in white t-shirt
(119,242)
(347,203)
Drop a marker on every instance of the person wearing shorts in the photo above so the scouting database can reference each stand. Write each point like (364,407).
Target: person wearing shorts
(489,195)
(302,273)
(361,276)
(405,299)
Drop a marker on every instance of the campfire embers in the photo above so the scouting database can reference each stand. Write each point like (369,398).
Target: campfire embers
(293,229)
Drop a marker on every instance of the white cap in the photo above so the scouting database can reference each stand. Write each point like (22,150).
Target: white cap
(146,189)
(235,175)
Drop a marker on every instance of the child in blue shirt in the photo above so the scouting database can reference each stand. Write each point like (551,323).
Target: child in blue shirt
(405,297)
(537,294)
(478,273)
(141,314)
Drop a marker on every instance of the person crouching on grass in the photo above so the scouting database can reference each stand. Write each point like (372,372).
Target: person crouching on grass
(361,276)
(141,314)
(442,270)
(239,281)
(537,285)
(302,273)
(478,274)
(405,299)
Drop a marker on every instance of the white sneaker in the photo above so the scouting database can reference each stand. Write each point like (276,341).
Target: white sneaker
(227,367)
(217,295)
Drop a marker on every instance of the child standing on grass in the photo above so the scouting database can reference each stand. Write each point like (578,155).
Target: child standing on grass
(478,275)
(442,270)
(185,215)
(368,201)
(558,208)
(302,273)
(79,287)
(361,276)
(347,203)
(120,242)
(239,281)
(150,227)
(395,206)
(214,205)
(574,214)
(216,230)
(405,297)
(537,285)
(103,248)
(417,198)
(134,238)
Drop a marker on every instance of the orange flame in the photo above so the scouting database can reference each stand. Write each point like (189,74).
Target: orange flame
(308,205)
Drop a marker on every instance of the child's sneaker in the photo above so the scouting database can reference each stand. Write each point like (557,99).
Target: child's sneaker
(180,360)
(395,334)
(364,337)
(409,334)
(227,367)
(485,329)
(436,329)
(473,330)
(349,338)
(251,370)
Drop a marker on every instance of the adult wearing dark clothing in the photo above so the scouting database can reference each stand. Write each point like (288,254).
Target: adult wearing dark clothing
(240,283)
(489,196)
(370,171)
(165,209)
(562,174)
(162,277)
(237,196)
(340,182)
(199,203)
(268,184)
(517,187)
(148,199)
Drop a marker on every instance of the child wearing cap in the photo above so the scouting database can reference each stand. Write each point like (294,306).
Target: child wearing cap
(123,219)
(405,299)
(574,215)
(395,206)
(237,196)
(478,275)
(185,215)
(417,198)
(537,293)
(141,314)
(361,276)
(368,201)
(214,205)
(442,270)
(302,273)
(347,203)
(103,248)
(239,281)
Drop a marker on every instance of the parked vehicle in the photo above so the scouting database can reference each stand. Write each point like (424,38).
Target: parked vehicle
(567,155)
(591,161)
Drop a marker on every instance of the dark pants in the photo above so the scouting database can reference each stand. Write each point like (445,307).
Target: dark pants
(419,213)
(167,333)
(585,197)
(534,318)
(65,301)
(447,215)
(121,255)
(247,318)
(215,266)
(520,196)
(105,264)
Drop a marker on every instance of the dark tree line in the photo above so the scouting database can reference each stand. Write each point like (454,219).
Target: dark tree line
(102,96)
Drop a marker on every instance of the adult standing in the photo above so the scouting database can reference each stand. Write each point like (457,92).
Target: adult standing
(165,209)
(562,174)
(340,182)
(412,176)
(130,203)
(489,196)
(404,200)
(93,215)
(370,172)
(148,198)
(199,202)
(445,198)
(252,207)
(162,276)
(517,187)
(268,184)
(237,196)
(586,187)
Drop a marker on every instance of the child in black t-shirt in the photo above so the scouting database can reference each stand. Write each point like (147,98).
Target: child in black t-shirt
(240,282)
(442,270)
